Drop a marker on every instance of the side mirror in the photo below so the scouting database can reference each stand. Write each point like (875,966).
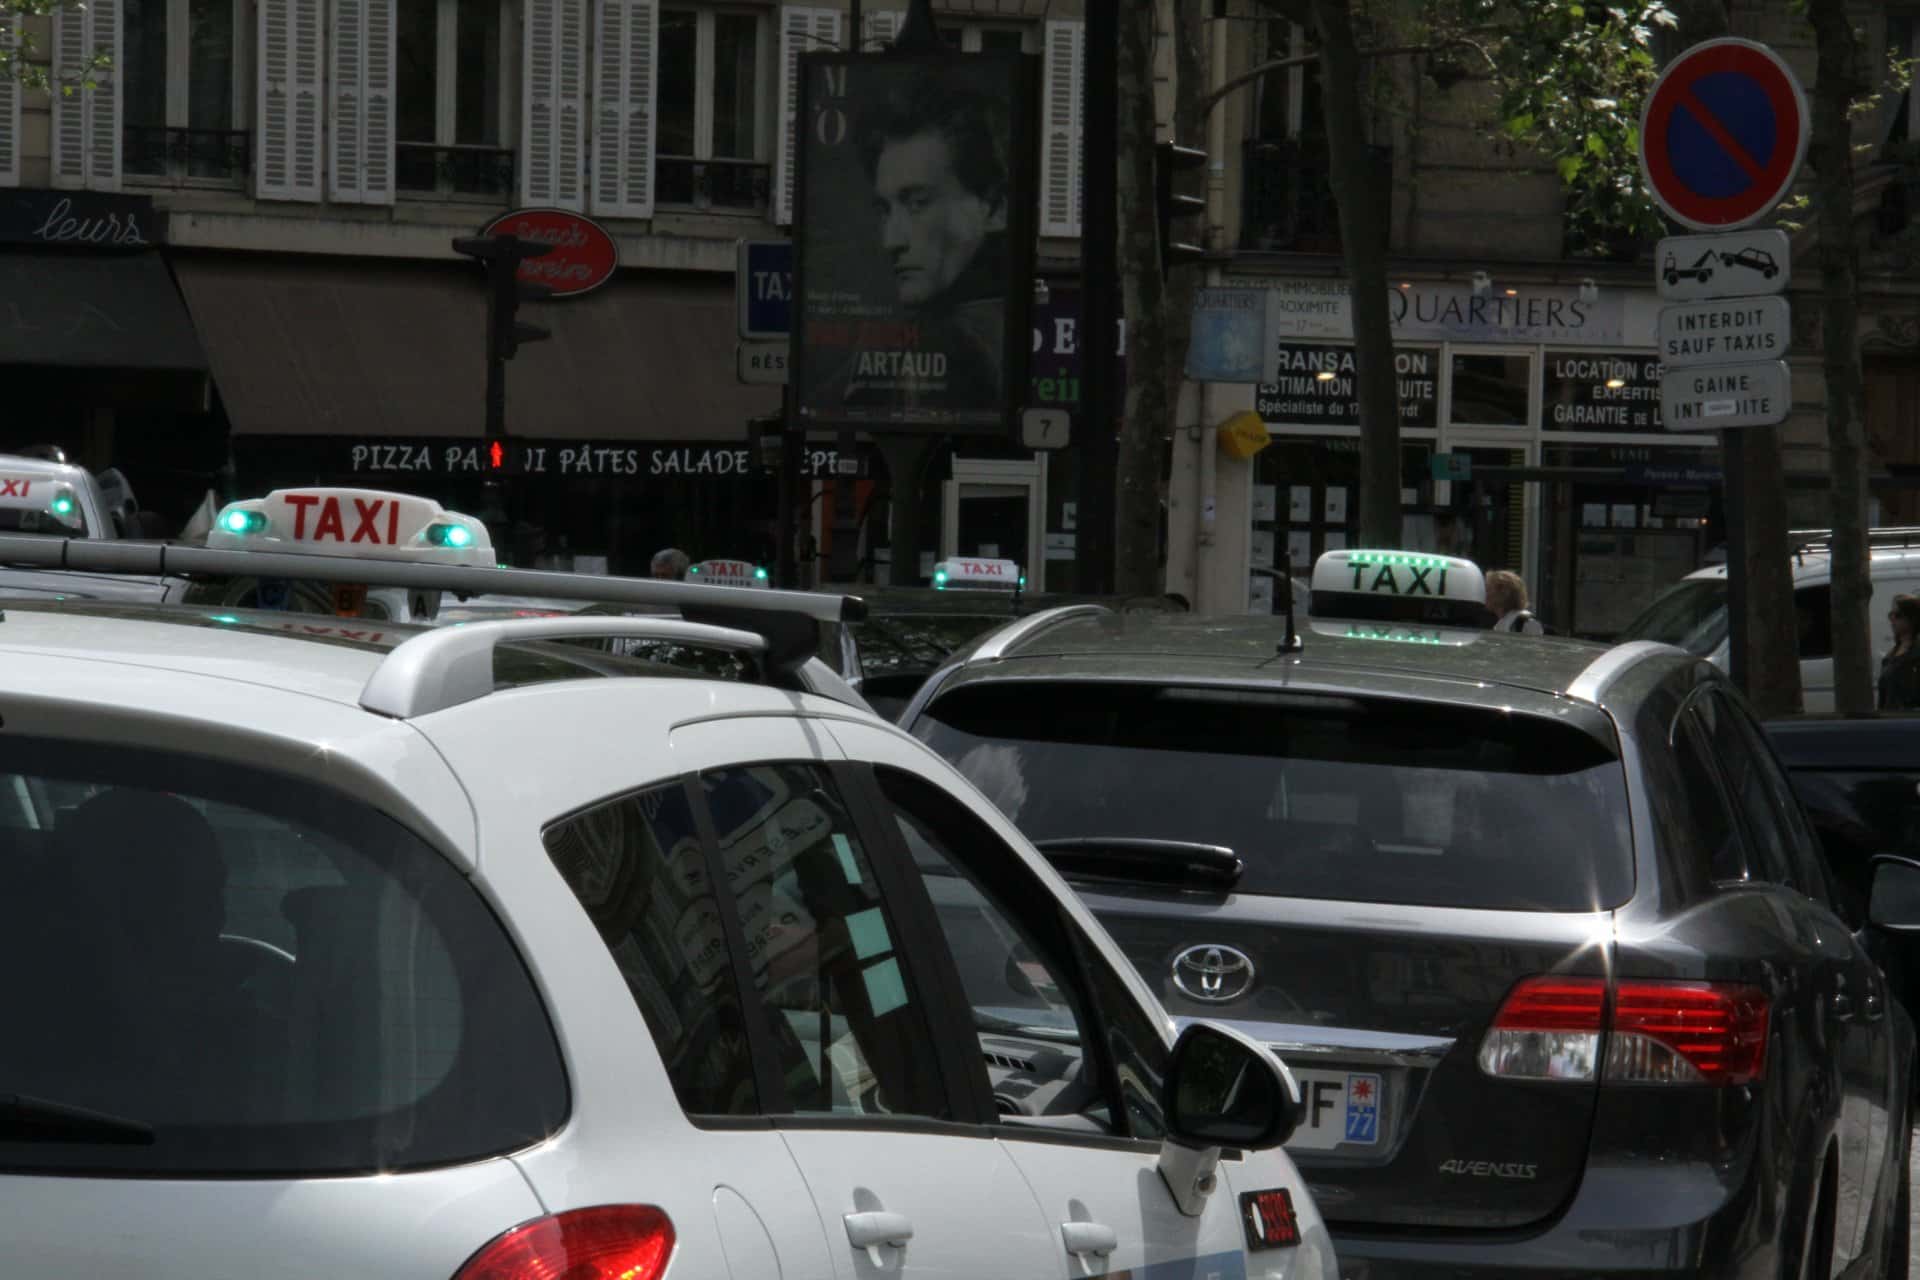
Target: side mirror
(1893,894)
(1225,1089)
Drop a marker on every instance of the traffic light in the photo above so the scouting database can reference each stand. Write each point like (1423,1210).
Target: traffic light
(502,256)
(1170,159)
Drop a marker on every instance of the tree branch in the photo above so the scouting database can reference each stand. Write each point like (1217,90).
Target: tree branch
(1212,100)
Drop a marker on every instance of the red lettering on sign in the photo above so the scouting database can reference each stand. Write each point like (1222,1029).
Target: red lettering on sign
(14,488)
(368,513)
(393,523)
(300,502)
(329,522)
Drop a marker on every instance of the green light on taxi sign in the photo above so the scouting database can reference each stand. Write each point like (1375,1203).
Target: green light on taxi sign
(1394,635)
(63,504)
(243,521)
(454,536)
(1398,558)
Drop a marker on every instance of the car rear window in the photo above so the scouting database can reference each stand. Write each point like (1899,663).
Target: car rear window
(1357,799)
(215,970)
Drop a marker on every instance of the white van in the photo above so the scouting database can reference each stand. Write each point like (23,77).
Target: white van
(1692,613)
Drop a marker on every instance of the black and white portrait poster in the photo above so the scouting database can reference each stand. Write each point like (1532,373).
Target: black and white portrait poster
(913,239)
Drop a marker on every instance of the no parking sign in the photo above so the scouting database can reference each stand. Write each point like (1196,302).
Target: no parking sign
(1723,134)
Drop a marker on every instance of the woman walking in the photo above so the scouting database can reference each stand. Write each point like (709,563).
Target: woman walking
(1900,669)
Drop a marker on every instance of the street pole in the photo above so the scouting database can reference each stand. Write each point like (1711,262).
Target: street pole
(1099,299)
(1733,461)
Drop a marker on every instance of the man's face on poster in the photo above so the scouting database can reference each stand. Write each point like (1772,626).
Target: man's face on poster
(931,226)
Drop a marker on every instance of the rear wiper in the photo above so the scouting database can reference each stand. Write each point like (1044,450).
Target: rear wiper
(1139,858)
(29,1119)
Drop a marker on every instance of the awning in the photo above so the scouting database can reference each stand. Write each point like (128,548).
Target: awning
(340,346)
(94,311)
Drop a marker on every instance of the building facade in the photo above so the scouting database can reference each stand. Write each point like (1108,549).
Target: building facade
(1528,376)
(227,260)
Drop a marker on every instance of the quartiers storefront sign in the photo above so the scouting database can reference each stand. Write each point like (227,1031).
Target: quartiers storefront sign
(1315,308)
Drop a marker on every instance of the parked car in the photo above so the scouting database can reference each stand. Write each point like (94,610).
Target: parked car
(1539,923)
(1692,613)
(459,952)
(43,494)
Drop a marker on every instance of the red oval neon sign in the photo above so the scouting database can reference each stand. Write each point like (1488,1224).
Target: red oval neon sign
(583,256)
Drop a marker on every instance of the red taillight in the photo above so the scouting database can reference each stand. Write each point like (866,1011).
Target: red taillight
(1688,1032)
(1655,1033)
(607,1242)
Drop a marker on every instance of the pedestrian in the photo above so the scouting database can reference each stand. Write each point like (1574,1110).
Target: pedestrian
(1900,669)
(670,562)
(1507,602)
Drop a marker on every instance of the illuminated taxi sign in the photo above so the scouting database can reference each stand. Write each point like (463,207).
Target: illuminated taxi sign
(728,573)
(1399,573)
(972,573)
(40,494)
(353,522)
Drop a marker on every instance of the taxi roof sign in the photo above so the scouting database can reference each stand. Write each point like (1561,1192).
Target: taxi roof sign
(728,573)
(362,523)
(1416,586)
(974,573)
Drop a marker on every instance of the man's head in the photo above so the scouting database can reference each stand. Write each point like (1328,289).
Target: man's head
(670,563)
(938,163)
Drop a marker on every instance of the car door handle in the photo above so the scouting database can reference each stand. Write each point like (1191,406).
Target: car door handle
(1089,1237)
(871,1230)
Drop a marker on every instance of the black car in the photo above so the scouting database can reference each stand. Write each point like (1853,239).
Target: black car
(1539,925)
(1859,778)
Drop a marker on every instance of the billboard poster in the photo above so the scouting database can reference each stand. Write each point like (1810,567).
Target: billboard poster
(913,240)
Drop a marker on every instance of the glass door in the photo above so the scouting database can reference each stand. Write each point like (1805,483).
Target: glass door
(994,510)
(1491,516)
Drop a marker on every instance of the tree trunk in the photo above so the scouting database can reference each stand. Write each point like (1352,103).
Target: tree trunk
(1767,636)
(1148,412)
(1841,80)
(1364,243)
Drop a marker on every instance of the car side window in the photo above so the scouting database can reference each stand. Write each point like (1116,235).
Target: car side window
(639,868)
(823,953)
(1740,768)
(1808,865)
(1708,820)
(1060,1047)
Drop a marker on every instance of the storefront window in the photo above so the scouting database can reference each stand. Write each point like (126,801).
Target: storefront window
(1491,390)
(1315,486)
(1318,386)
(1600,391)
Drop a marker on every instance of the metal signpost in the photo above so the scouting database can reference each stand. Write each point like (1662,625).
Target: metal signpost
(1721,142)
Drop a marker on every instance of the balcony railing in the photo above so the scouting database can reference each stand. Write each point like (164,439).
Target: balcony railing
(733,185)
(209,155)
(1286,202)
(424,168)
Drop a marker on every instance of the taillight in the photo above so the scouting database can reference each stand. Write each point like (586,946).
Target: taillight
(1655,1032)
(607,1242)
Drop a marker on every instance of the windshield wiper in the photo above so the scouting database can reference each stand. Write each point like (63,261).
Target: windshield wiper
(29,1119)
(1139,858)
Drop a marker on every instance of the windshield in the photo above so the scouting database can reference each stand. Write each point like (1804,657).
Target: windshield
(235,973)
(1692,614)
(1356,799)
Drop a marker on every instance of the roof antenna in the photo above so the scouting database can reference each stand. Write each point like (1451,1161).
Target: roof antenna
(1291,644)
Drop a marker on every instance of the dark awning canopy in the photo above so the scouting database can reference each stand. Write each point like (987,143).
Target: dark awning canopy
(352,347)
(94,311)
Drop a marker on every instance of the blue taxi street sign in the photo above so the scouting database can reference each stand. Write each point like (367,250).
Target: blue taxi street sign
(763,285)
(1723,134)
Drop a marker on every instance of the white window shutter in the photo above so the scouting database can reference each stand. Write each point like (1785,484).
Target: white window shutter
(86,122)
(1060,123)
(882,29)
(801,31)
(287,147)
(553,117)
(626,39)
(360,132)
(347,125)
(10,107)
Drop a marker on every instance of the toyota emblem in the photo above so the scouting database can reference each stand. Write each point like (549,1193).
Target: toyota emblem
(1214,974)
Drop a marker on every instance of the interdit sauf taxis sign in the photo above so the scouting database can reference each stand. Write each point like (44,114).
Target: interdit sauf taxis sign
(1721,141)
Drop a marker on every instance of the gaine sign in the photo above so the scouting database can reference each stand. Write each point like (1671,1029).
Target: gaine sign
(1723,134)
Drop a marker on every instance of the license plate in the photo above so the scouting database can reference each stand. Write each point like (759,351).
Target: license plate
(1341,1109)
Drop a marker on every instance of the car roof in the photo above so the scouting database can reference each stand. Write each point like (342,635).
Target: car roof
(1818,565)
(1414,660)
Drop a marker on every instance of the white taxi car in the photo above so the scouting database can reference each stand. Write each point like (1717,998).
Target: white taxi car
(46,496)
(342,947)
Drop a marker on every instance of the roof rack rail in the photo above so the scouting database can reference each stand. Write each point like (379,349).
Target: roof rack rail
(1887,536)
(88,555)
(446,667)
(997,644)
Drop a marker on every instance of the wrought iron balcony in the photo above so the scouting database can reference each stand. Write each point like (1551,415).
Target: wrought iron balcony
(734,185)
(210,155)
(425,168)
(1286,200)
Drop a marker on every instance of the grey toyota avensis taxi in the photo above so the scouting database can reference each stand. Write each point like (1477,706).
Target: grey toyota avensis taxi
(1539,925)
